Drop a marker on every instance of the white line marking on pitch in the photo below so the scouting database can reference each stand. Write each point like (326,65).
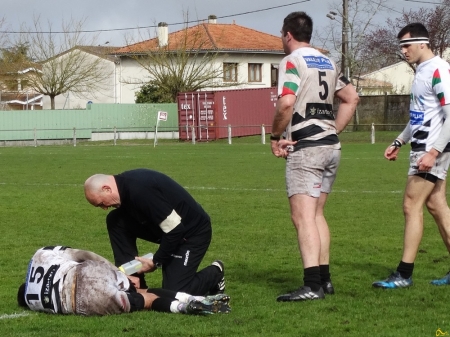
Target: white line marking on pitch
(212,188)
(276,190)
(22,314)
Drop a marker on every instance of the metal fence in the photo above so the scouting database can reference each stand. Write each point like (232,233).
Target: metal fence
(195,134)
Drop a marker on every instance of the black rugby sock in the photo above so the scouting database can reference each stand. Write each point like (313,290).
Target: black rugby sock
(311,278)
(405,269)
(325,275)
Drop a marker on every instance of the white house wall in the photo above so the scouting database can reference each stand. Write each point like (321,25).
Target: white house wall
(127,77)
(243,61)
(400,75)
(130,77)
(131,73)
(108,93)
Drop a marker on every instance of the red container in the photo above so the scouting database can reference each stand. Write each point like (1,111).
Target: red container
(211,113)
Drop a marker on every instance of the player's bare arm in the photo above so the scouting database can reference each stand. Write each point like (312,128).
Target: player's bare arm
(349,100)
(283,115)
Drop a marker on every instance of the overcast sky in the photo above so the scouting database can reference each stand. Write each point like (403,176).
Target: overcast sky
(114,17)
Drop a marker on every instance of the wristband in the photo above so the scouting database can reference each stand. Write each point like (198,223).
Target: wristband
(396,143)
(277,138)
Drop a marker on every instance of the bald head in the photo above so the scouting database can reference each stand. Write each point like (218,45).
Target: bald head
(101,191)
(96,182)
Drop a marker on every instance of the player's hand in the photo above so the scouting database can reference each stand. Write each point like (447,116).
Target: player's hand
(391,152)
(281,148)
(147,265)
(136,281)
(426,162)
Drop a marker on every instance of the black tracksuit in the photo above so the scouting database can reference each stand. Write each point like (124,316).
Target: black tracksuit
(155,208)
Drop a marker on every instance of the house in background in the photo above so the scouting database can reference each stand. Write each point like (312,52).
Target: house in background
(394,79)
(368,86)
(109,84)
(247,56)
(14,93)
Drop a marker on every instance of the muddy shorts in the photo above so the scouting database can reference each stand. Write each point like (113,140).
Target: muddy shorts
(439,169)
(311,171)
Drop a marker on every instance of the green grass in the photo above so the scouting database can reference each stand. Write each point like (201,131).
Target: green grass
(242,187)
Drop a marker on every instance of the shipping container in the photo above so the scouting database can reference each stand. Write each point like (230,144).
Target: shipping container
(210,113)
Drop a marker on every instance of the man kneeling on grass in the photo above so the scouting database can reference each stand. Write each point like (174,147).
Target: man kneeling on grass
(61,280)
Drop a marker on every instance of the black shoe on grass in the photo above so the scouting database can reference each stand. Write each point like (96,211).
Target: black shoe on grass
(328,288)
(209,305)
(302,294)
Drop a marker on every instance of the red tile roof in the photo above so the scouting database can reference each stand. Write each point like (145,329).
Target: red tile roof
(213,36)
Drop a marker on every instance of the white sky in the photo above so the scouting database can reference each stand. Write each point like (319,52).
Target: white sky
(118,15)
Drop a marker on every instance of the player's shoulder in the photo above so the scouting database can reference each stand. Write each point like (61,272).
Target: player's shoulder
(437,63)
(50,251)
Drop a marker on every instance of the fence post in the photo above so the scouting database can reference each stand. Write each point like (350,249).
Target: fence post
(155,137)
(115,135)
(193,134)
(35,138)
(372,134)
(74,136)
(263,134)
(229,134)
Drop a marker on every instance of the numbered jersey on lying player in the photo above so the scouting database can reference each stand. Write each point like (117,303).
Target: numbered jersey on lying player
(44,280)
(313,78)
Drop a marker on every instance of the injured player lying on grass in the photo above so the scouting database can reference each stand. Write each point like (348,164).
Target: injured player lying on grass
(62,280)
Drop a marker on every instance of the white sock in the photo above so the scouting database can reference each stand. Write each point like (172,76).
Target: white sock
(195,298)
(182,297)
(176,307)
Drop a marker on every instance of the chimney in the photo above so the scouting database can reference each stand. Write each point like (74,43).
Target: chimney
(163,34)
(212,19)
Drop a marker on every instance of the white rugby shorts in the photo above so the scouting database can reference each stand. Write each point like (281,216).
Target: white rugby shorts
(311,170)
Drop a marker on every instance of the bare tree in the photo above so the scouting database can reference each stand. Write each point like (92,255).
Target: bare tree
(13,61)
(359,20)
(9,56)
(187,62)
(67,61)
(383,41)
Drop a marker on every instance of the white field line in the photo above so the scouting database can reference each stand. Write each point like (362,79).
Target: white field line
(40,184)
(22,314)
(277,190)
(213,188)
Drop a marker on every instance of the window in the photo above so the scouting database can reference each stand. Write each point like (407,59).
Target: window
(230,72)
(274,74)
(254,72)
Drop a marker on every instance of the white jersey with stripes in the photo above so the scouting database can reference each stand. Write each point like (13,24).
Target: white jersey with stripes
(430,91)
(313,78)
(45,277)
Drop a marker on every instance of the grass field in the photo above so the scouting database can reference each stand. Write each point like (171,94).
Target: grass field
(242,187)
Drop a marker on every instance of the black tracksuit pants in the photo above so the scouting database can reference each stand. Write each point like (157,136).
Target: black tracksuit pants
(180,273)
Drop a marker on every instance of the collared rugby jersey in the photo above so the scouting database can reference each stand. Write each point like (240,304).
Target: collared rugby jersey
(45,278)
(313,78)
(430,91)
(62,280)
